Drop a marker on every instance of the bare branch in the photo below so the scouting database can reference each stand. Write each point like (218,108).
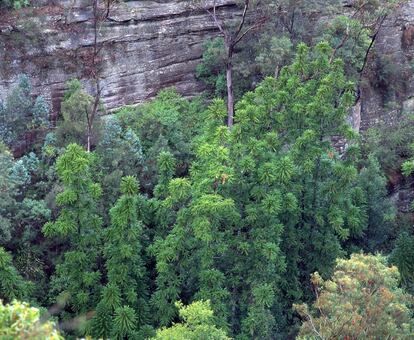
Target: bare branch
(215,19)
(243,19)
(250,29)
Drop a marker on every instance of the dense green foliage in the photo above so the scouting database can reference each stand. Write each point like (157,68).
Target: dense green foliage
(161,222)
(20,114)
(361,301)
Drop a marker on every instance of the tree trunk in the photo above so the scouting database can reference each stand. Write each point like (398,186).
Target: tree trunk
(88,140)
(230,94)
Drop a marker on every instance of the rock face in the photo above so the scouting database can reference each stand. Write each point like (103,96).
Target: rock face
(146,46)
(390,75)
(150,45)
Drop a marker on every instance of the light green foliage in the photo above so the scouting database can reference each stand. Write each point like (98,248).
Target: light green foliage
(77,279)
(362,300)
(273,174)
(79,195)
(20,321)
(198,323)
(76,107)
(19,113)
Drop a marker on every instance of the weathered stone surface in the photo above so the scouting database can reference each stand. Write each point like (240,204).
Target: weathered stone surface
(147,45)
(393,59)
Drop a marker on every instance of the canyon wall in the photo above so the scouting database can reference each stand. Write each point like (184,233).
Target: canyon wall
(146,46)
(388,86)
(150,45)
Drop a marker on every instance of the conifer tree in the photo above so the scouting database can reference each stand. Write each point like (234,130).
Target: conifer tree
(115,144)
(76,282)
(275,176)
(123,308)
(12,284)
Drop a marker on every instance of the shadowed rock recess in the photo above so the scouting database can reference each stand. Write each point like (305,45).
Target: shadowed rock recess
(150,45)
(147,46)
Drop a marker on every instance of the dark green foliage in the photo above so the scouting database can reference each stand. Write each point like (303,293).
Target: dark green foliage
(12,285)
(7,198)
(168,123)
(115,143)
(403,257)
(172,205)
(352,39)
(250,188)
(380,227)
(123,308)
(19,114)
(212,67)
(403,254)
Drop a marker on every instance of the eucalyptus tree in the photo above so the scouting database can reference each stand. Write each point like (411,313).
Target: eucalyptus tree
(233,32)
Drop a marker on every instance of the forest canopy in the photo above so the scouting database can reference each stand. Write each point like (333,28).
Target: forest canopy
(254,210)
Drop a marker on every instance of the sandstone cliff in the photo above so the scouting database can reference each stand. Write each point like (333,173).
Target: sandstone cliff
(149,45)
(389,84)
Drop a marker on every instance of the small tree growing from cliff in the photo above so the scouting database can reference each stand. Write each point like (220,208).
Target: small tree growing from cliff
(233,32)
(93,61)
(78,123)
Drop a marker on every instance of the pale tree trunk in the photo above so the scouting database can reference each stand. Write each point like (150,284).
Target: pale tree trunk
(230,93)
(92,116)
(231,39)
(88,142)
(98,19)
